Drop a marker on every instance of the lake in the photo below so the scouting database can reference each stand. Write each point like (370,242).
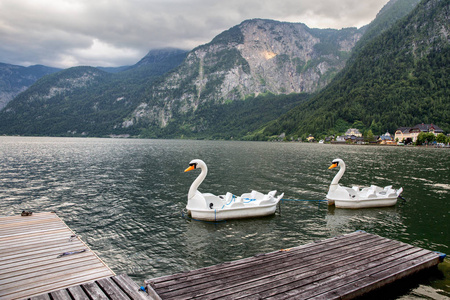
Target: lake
(124,197)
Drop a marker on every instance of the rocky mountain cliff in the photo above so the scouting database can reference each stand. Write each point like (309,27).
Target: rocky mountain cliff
(255,57)
(399,78)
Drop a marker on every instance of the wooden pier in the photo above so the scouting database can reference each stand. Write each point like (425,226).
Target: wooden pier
(41,258)
(343,267)
(32,259)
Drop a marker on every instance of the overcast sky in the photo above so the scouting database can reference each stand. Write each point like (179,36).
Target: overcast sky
(67,33)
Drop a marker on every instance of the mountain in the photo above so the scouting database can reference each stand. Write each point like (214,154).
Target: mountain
(84,100)
(114,69)
(15,79)
(399,78)
(165,55)
(254,58)
(393,11)
(246,76)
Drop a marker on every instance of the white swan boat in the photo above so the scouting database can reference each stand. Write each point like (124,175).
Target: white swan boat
(357,197)
(209,207)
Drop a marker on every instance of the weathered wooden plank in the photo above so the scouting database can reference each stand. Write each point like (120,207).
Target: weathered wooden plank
(29,263)
(40,288)
(257,270)
(29,237)
(60,295)
(43,246)
(111,289)
(31,241)
(326,279)
(131,288)
(41,231)
(295,253)
(19,218)
(46,264)
(371,281)
(41,297)
(237,263)
(14,231)
(77,293)
(37,260)
(353,265)
(43,252)
(49,277)
(303,274)
(43,274)
(94,291)
(36,219)
(24,221)
(282,282)
(31,228)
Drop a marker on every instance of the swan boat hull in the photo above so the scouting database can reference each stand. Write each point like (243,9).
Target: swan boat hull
(236,213)
(363,203)
(374,196)
(228,206)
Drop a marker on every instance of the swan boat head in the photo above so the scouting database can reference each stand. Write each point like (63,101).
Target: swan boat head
(193,165)
(337,163)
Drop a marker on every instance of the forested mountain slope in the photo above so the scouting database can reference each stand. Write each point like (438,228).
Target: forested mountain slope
(85,100)
(400,78)
(16,79)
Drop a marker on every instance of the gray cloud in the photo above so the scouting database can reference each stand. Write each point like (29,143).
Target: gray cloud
(65,33)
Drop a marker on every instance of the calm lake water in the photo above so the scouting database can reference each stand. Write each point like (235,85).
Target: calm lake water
(124,197)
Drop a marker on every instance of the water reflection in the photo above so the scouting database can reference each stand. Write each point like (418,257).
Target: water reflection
(124,197)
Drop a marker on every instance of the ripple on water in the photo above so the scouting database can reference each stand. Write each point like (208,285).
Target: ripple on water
(124,197)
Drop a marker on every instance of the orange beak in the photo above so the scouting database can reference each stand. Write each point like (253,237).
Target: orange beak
(334,165)
(190,168)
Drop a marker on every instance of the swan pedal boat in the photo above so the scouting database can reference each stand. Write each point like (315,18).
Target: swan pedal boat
(357,197)
(209,207)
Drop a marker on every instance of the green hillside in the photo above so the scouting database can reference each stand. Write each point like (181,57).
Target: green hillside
(232,120)
(85,101)
(400,78)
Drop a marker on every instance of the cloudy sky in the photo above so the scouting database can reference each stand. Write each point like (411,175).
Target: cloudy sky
(66,33)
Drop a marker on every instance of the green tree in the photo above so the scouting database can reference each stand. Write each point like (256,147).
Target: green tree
(368,136)
(441,138)
(425,138)
(359,125)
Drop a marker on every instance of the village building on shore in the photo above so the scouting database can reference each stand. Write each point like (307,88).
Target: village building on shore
(410,134)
